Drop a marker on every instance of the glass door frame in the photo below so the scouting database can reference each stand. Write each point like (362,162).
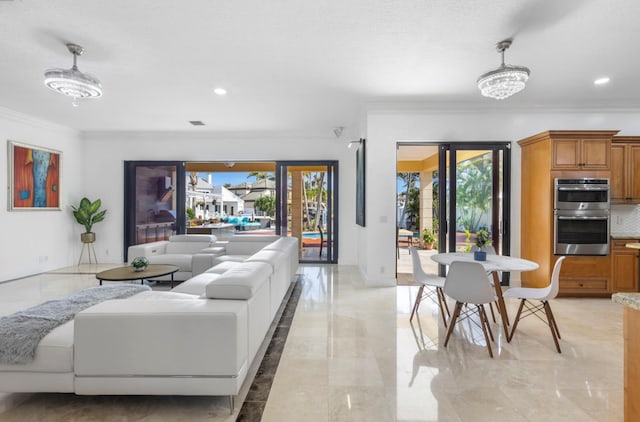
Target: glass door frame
(332,203)
(130,198)
(450,200)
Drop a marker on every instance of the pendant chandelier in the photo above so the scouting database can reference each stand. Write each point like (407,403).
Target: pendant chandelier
(505,80)
(72,82)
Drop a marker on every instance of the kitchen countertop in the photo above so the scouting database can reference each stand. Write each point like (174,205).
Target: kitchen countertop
(634,235)
(631,300)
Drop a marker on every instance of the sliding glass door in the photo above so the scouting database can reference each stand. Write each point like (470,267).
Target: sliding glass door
(447,192)
(154,201)
(306,204)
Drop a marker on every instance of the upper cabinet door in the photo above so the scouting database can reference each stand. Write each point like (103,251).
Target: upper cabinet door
(596,154)
(566,154)
(633,173)
(581,154)
(619,178)
(625,170)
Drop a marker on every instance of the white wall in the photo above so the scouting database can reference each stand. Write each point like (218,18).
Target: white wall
(37,241)
(105,175)
(42,240)
(386,127)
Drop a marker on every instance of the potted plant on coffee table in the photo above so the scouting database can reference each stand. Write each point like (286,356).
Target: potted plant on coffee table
(482,239)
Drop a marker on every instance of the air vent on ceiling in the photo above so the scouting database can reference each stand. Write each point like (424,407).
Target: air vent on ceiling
(196,122)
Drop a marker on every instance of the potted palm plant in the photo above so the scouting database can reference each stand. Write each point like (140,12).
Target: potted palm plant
(482,239)
(87,214)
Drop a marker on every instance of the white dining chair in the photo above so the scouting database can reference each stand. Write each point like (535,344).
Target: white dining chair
(490,250)
(467,284)
(430,285)
(542,294)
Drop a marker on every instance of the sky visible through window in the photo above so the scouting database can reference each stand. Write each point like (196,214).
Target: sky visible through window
(232,177)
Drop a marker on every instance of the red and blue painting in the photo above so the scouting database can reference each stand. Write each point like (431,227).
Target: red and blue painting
(34,177)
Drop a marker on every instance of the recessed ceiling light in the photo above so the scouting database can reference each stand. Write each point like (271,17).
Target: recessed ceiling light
(220,91)
(601,81)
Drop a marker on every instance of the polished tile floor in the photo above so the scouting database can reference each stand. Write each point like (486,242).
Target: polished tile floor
(352,355)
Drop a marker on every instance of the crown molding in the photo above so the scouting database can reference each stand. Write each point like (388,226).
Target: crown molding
(16,116)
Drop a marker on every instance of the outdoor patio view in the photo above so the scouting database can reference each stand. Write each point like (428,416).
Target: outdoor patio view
(232,202)
(418,206)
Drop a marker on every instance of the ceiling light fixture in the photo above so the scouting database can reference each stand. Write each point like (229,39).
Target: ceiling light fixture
(505,80)
(601,81)
(72,82)
(220,91)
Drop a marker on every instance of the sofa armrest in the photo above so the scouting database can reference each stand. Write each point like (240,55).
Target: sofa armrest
(129,337)
(147,249)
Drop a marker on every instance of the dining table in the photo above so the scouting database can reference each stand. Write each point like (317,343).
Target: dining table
(494,265)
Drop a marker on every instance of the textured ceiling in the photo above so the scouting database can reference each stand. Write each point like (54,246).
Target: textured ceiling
(306,66)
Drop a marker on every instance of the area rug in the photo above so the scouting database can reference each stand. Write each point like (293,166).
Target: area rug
(256,399)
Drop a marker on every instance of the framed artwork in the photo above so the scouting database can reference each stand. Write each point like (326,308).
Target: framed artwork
(360,184)
(34,177)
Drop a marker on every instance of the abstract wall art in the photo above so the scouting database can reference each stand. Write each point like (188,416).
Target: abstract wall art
(34,177)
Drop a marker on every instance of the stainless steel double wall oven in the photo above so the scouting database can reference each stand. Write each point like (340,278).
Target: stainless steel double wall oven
(581,213)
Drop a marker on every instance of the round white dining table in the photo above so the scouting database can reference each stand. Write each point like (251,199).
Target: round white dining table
(493,264)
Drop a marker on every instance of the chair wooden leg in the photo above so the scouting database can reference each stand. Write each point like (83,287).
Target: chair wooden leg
(516,320)
(555,324)
(442,303)
(417,303)
(484,322)
(501,305)
(486,318)
(493,315)
(452,322)
(550,319)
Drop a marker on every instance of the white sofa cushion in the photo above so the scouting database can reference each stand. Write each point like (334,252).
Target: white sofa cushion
(189,243)
(182,261)
(128,337)
(222,267)
(274,258)
(156,295)
(53,354)
(248,244)
(233,258)
(239,282)
(195,285)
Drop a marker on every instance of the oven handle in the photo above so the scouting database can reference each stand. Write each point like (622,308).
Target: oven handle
(560,217)
(578,188)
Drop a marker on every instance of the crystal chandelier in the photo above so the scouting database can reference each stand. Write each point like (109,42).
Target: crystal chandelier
(72,82)
(505,80)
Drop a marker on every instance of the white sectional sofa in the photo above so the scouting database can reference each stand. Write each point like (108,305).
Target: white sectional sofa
(191,253)
(198,339)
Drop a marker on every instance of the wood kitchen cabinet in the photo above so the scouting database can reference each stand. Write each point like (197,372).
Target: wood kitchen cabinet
(624,266)
(546,156)
(574,151)
(585,276)
(625,170)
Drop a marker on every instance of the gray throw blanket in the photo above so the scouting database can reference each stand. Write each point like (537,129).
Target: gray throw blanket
(20,333)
